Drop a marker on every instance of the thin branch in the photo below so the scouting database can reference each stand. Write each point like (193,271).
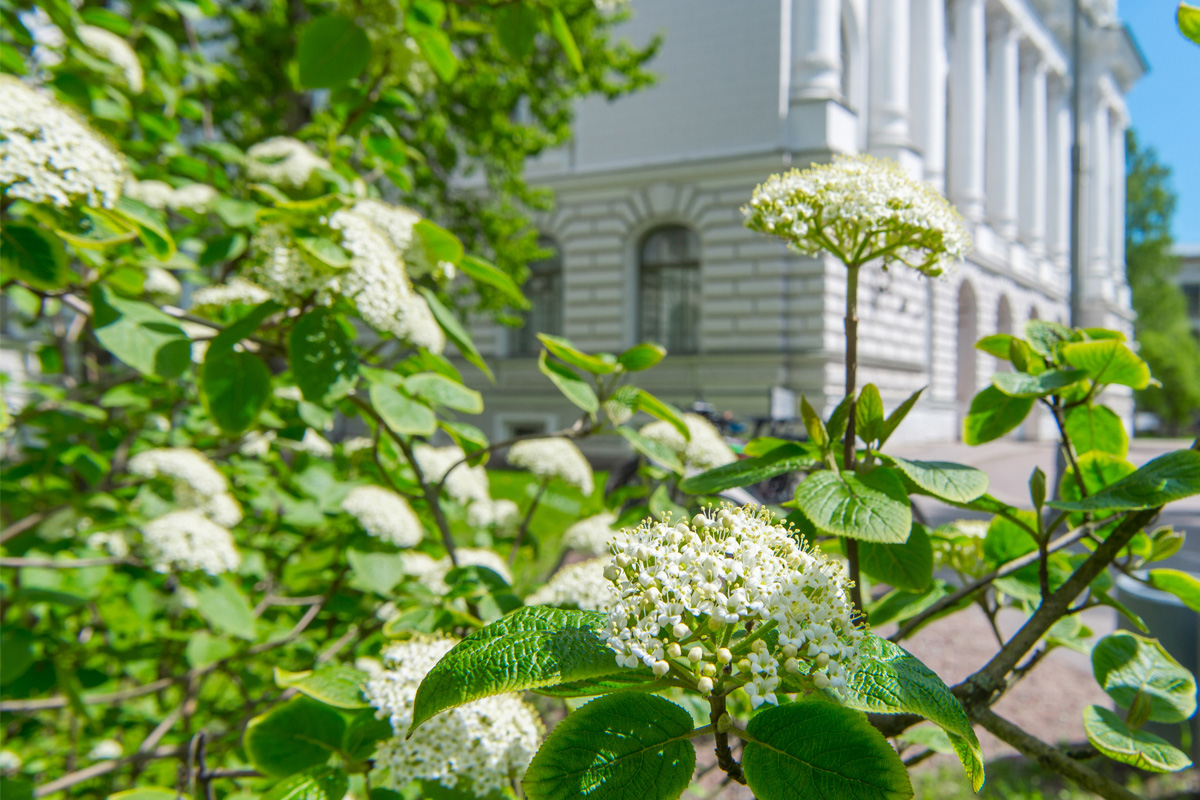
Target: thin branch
(22,525)
(1051,757)
(105,767)
(516,546)
(110,698)
(1066,540)
(71,563)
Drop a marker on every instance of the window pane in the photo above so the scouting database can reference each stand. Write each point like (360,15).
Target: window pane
(669,288)
(543,289)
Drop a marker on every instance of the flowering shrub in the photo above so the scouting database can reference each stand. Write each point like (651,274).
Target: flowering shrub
(251,543)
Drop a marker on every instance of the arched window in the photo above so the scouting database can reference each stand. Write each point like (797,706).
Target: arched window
(544,292)
(669,288)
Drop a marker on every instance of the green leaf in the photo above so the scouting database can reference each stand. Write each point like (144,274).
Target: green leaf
(662,506)
(530,648)
(663,410)
(998,345)
(1096,428)
(481,271)
(813,424)
(642,356)
(402,414)
(339,685)
(895,418)
(235,387)
(376,572)
(1044,336)
(1159,481)
(220,249)
(562,32)
(563,349)
(890,680)
(818,749)
(1022,384)
(139,334)
(868,414)
(640,678)
(363,733)
(203,649)
(440,244)
(226,609)
(957,483)
(1108,361)
(1181,584)
(653,450)
(322,783)
(469,439)
(144,793)
(872,507)
(573,387)
(16,654)
(1112,737)
(324,250)
(442,391)
(332,50)
(1007,540)
(455,331)
(295,736)
(151,226)
(1098,470)
(322,357)
(516,25)
(1126,665)
(789,458)
(1188,18)
(33,256)
(907,566)
(625,746)
(435,46)
(993,414)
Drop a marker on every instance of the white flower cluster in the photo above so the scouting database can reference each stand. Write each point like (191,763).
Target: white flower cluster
(312,443)
(861,207)
(505,515)
(432,571)
(581,585)
(48,38)
(112,542)
(198,484)
(705,449)
(238,290)
(196,197)
(399,223)
(187,540)
(256,444)
(466,484)
(486,745)
(591,535)
(283,161)
(553,457)
(48,154)
(377,281)
(385,515)
(105,750)
(10,762)
(161,284)
(116,50)
(685,589)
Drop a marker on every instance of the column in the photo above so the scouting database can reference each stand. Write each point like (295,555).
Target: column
(1058,170)
(1003,123)
(968,94)
(1033,153)
(816,50)
(889,26)
(1099,202)
(1116,215)
(928,95)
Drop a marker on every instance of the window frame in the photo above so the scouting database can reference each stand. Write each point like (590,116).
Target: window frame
(685,269)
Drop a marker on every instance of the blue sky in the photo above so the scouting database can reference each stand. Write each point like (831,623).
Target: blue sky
(1165,104)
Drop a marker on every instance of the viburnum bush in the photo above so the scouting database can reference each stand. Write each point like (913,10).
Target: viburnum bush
(251,547)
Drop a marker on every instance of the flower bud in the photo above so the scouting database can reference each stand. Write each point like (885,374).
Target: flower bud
(705,685)
(681,630)
(709,669)
(792,665)
(612,572)
(823,660)
(724,656)
(789,651)
(674,650)
(661,668)
(695,654)
(821,680)
(744,665)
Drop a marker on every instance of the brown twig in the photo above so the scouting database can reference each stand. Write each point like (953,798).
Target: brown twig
(731,766)
(72,563)
(521,531)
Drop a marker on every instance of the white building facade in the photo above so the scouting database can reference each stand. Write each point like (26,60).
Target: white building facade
(973,96)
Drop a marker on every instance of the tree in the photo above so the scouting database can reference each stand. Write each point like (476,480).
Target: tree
(1162,327)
